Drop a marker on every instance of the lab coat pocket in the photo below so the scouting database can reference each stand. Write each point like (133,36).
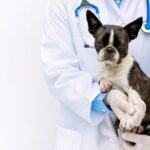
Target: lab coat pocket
(68,139)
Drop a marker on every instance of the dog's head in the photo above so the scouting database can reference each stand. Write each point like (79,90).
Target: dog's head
(111,42)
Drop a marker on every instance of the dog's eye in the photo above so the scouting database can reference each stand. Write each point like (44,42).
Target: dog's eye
(116,43)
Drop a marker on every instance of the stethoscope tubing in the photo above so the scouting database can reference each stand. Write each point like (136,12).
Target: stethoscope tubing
(148,10)
(86,4)
(89,5)
(146,24)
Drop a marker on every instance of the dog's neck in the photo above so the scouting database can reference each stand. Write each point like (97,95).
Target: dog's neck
(114,72)
(117,73)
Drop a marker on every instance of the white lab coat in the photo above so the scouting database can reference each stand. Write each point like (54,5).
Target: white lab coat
(70,70)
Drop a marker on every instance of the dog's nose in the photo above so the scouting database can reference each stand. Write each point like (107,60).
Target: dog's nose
(110,50)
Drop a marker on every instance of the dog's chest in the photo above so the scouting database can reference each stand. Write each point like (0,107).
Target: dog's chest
(118,77)
(116,74)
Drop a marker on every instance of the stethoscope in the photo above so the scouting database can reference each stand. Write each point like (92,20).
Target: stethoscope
(86,4)
(146,24)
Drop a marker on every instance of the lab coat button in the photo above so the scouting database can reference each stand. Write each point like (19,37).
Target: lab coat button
(113,140)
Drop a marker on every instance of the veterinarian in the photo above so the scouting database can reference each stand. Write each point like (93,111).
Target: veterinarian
(86,117)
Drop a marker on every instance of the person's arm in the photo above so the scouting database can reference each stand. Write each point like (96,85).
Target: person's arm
(99,104)
(142,142)
(71,85)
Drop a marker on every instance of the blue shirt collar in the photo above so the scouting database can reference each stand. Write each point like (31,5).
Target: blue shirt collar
(118,2)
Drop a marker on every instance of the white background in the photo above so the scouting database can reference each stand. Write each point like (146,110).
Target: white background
(28,112)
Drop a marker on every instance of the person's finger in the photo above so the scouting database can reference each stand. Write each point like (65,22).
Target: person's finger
(125,106)
(138,116)
(120,140)
(135,119)
(139,111)
(135,138)
(122,143)
(140,103)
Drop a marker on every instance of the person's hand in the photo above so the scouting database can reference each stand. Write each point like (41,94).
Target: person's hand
(130,115)
(130,122)
(118,102)
(142,142)
(140,110)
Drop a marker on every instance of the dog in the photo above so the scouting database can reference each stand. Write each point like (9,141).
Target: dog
(117,66)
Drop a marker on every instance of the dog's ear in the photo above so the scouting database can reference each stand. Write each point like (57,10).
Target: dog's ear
(93,22)
(133,28)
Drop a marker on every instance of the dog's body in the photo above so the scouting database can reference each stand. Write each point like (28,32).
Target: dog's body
(141,83)
(129,77)
(118,66)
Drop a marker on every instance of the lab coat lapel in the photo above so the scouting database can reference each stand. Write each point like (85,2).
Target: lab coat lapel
(119,11)
(114,7)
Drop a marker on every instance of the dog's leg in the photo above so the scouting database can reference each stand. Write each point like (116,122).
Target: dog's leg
(105,85)
(126,123)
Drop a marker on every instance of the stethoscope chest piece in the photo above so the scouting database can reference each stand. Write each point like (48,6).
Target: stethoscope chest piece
(146,27)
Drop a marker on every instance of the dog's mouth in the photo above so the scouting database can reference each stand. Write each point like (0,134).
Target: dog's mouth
(108,58)
(108,61)
(108,54)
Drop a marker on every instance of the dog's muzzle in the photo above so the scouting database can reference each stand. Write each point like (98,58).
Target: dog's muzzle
(110,50)
(109,53)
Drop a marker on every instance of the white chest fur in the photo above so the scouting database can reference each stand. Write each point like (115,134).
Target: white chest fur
(117,74)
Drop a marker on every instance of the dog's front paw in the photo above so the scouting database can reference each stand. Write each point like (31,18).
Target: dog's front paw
(105,85)
(126,124)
